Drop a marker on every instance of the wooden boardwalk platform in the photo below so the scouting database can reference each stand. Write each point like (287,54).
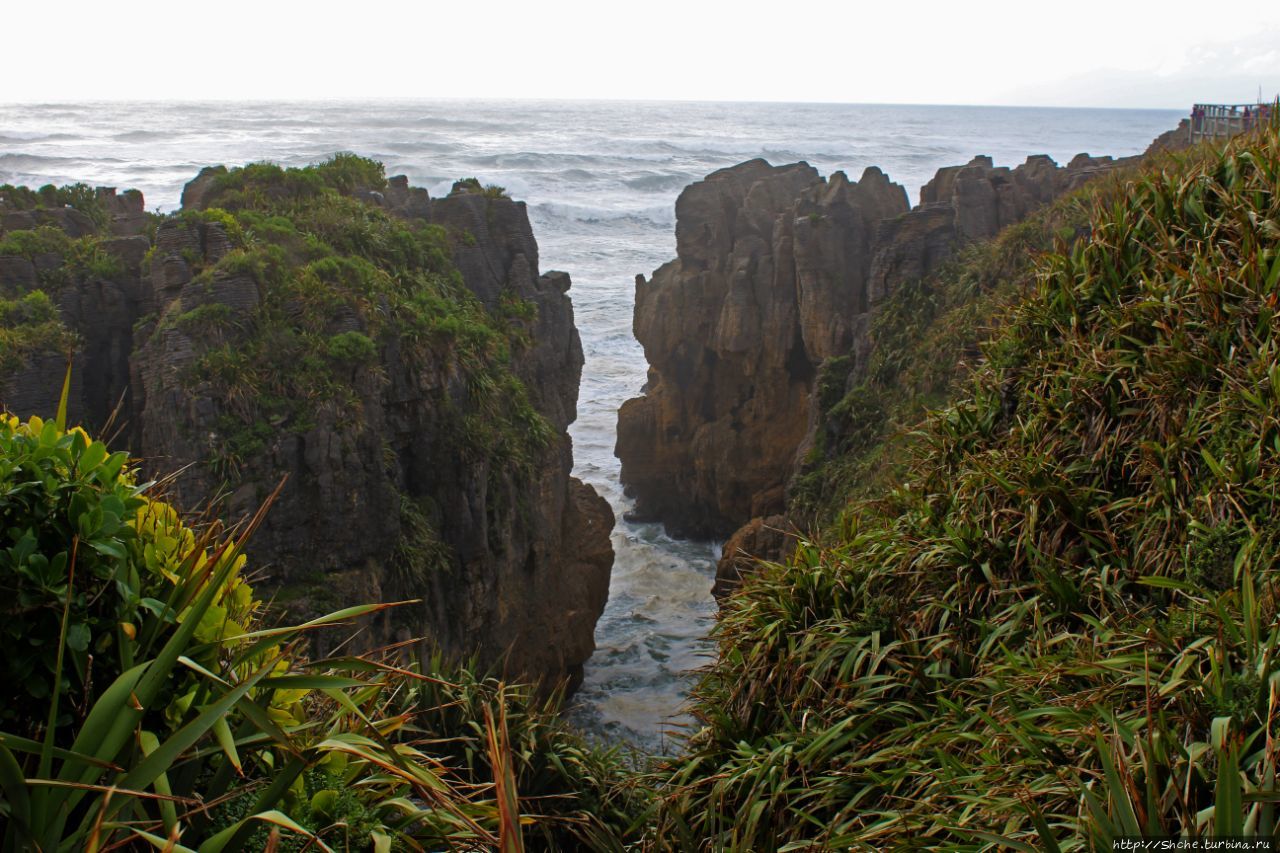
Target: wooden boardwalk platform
(1215,121)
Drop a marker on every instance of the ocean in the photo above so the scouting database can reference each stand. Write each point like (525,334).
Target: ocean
(601,180)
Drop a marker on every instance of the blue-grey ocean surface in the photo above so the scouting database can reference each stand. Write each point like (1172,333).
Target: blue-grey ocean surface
(601,180)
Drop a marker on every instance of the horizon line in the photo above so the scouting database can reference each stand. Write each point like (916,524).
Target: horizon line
(407,99)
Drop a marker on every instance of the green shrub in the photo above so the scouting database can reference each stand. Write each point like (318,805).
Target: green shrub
(211,316)
(34,307)
(30,324)
(143,700)
(473,186)
(81,257)
(346,172)
(45,240)
(217,216)
(89,556)
(352,348)
(80,196)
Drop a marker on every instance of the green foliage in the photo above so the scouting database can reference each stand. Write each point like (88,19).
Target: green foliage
(578,796)
(79,258)
(82,197)
(45,240)
(29,320)
(65,510)
(351,348)
(347,172)
(1061,626)
(30,324)
(217,216)
(171,716)
(925,338)
(323,259)
(421,552)
(34,307)
(473,186)
(323,801)
(209,317)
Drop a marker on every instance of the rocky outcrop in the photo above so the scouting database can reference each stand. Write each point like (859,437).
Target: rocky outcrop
(769,538)
(126,212)
(102,308)
(511,563)
(965,204)
(770,278)
(1172,140)
(778,270)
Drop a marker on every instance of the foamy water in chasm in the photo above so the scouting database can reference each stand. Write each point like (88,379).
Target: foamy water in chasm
(601,181)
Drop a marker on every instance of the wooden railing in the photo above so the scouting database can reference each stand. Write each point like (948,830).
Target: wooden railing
(1212,121)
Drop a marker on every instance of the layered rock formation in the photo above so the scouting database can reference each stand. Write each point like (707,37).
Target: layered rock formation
(778,270)
(512,562)
(964,204)
(771,278)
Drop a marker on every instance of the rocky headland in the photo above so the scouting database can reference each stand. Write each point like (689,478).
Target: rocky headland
(779,270)
(399,362)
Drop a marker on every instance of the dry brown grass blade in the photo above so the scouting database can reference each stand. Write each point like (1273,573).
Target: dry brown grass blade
(510,834)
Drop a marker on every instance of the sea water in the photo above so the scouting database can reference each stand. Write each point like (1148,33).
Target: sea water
(601,180)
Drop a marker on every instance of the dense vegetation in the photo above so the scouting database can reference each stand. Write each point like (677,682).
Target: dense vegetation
(925,339)
(81,197)
(145,698)
(1039,611)
(1061,626)
(29,319)
(341,281)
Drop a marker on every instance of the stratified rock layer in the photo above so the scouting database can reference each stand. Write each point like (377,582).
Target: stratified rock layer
(528,552)
(770,279)
(776,271)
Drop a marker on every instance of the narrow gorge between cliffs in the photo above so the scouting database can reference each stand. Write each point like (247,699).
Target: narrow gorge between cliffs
(601,182)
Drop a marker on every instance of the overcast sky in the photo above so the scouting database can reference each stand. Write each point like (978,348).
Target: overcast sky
(1160,53)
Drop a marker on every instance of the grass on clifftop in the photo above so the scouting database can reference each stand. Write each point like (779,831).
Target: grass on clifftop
(30,322)
(1062,626)
(82,197)
(342,284)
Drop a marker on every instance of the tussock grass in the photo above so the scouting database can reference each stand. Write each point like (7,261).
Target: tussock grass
(924,341)
(1061,625)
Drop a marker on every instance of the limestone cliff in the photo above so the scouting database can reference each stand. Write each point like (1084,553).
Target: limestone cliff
(778,270)
(410,471)
(771,277)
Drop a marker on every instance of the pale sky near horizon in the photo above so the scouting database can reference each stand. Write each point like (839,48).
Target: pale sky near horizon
(1123,54)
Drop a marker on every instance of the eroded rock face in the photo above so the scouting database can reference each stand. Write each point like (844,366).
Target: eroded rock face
(102,309)
(965,204)
(720,330)
(527,553)
(771,278)
(776,271)
(759,539)
(1172,140)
